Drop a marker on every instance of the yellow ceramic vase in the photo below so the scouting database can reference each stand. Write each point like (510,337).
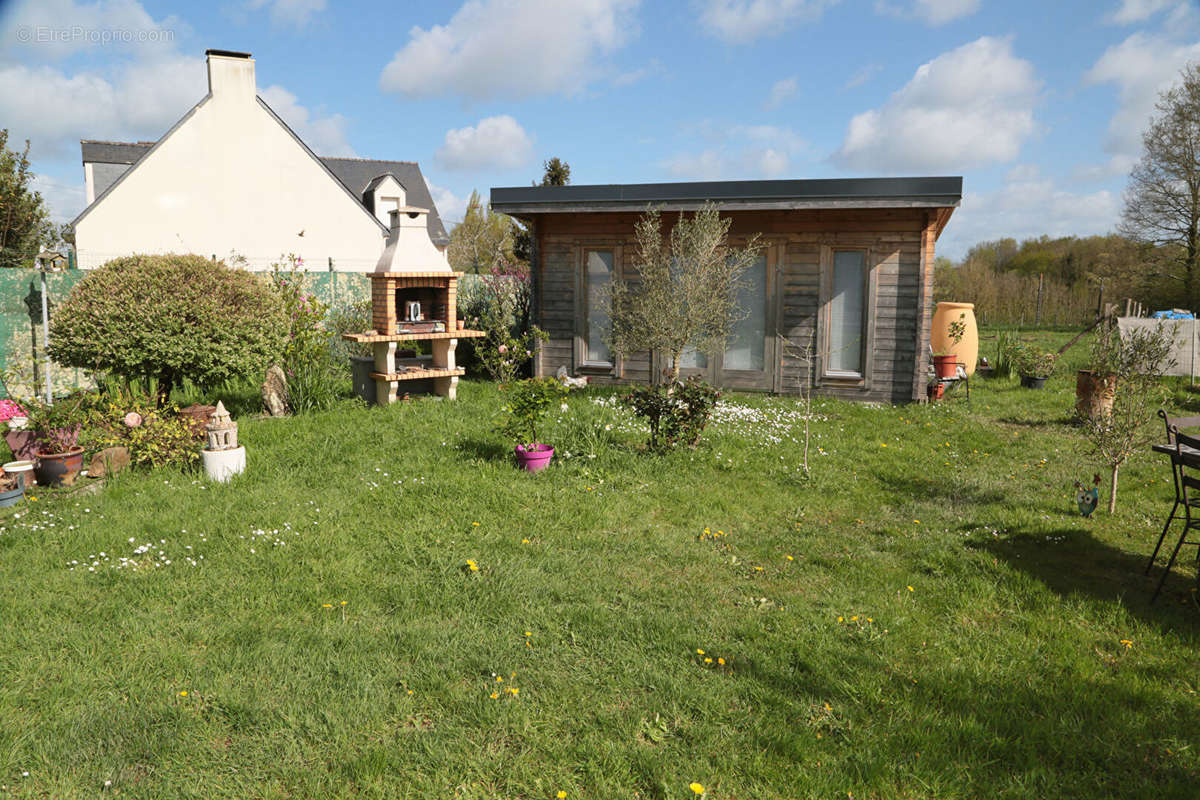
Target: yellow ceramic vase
(967,349)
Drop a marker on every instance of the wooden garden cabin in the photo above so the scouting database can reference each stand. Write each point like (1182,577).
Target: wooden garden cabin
(848,267)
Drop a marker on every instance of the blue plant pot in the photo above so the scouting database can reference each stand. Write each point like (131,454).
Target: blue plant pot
(12,496)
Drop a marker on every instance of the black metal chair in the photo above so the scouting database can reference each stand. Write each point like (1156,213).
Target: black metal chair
(1168,449)
(1186,465)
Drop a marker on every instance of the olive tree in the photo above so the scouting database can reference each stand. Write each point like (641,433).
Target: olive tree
(1138,360)
(169,318)
(685,295)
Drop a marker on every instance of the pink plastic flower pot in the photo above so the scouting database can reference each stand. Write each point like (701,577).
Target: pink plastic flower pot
(535,457)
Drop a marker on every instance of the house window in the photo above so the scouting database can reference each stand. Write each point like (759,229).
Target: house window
(597,324)
(846,322)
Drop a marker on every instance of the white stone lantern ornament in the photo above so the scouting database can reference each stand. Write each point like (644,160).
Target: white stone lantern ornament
(223,457)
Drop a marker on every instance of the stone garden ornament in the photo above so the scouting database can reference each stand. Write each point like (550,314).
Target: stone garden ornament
(223,457)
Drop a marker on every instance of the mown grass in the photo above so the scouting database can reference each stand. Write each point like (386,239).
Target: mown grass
(947,625)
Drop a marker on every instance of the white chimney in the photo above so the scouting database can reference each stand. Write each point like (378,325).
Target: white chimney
(230,75)
(409,248)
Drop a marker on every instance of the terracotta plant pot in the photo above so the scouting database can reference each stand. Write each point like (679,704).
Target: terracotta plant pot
(1094,395)
(56,469)
(945,366)
(534,457)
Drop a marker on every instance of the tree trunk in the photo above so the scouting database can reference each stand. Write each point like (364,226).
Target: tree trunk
(1112,490)
(675,367)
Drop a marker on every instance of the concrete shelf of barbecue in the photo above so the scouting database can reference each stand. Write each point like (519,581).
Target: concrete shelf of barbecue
(369,338)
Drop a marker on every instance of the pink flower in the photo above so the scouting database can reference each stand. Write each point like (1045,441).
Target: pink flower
(503,348)
(133,419)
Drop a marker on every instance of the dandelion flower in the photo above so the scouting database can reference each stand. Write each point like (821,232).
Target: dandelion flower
(1128,643)
(495,695)
(326,605)
(527,633)
(840,619)
(789,558)
(911,589)
(697,788)
(561,794)
(721,661)
(708,660)
(699,651)
(183,693)
(524,541)
(475,524)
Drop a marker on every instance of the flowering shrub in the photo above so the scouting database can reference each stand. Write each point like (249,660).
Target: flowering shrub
(528,402)
(10,409)
(676,414)
(315,381)
(154,436)
(509,345)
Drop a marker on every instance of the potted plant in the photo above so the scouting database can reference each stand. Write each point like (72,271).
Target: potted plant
(59,456)
(528,402)
(1033,365)
(945,364)
(1096,385)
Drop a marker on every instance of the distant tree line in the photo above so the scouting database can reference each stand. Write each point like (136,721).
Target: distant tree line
(1076,274)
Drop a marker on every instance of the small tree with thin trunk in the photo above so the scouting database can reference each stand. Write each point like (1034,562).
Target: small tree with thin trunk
(685,295)
(1139,359)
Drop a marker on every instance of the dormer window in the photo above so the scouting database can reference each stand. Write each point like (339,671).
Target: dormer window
(383,195)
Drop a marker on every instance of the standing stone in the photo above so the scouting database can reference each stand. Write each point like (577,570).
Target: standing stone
(108,461)
(275,392)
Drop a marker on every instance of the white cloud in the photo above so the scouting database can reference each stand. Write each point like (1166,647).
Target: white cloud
(1028,204)
(862,75)
(970,106)
(494,143)
(740,152)
(140,101)
(781,91)
(741,21)
(1141,67)
(1133,11)
(325,136)
(290,12)
(932,12)
(63,199)
(510,48)
(451,207)
(54,29)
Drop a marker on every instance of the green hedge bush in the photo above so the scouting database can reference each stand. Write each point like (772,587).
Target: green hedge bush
(171,318)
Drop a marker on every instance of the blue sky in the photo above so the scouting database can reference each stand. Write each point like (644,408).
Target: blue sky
(1038,105)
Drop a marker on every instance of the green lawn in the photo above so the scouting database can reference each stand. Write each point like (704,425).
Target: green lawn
(926,616)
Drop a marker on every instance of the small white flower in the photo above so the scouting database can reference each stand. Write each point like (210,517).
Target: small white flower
(563,407)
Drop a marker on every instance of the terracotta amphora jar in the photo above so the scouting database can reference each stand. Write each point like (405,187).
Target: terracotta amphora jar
(967,348)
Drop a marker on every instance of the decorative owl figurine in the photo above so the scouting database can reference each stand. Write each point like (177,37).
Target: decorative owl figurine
(1087,499)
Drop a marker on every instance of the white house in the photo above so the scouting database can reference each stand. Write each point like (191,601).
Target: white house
(231,178)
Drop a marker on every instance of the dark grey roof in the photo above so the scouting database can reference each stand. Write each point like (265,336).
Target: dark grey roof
(816,193)
(356,174)
(96,152)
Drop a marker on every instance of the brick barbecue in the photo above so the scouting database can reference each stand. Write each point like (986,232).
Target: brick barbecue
(414,296)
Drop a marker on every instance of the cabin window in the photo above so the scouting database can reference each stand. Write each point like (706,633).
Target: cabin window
(746,348)
(845,314)
(597,324)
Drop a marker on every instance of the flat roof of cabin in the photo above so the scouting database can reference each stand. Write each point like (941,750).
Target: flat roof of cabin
(917,192)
